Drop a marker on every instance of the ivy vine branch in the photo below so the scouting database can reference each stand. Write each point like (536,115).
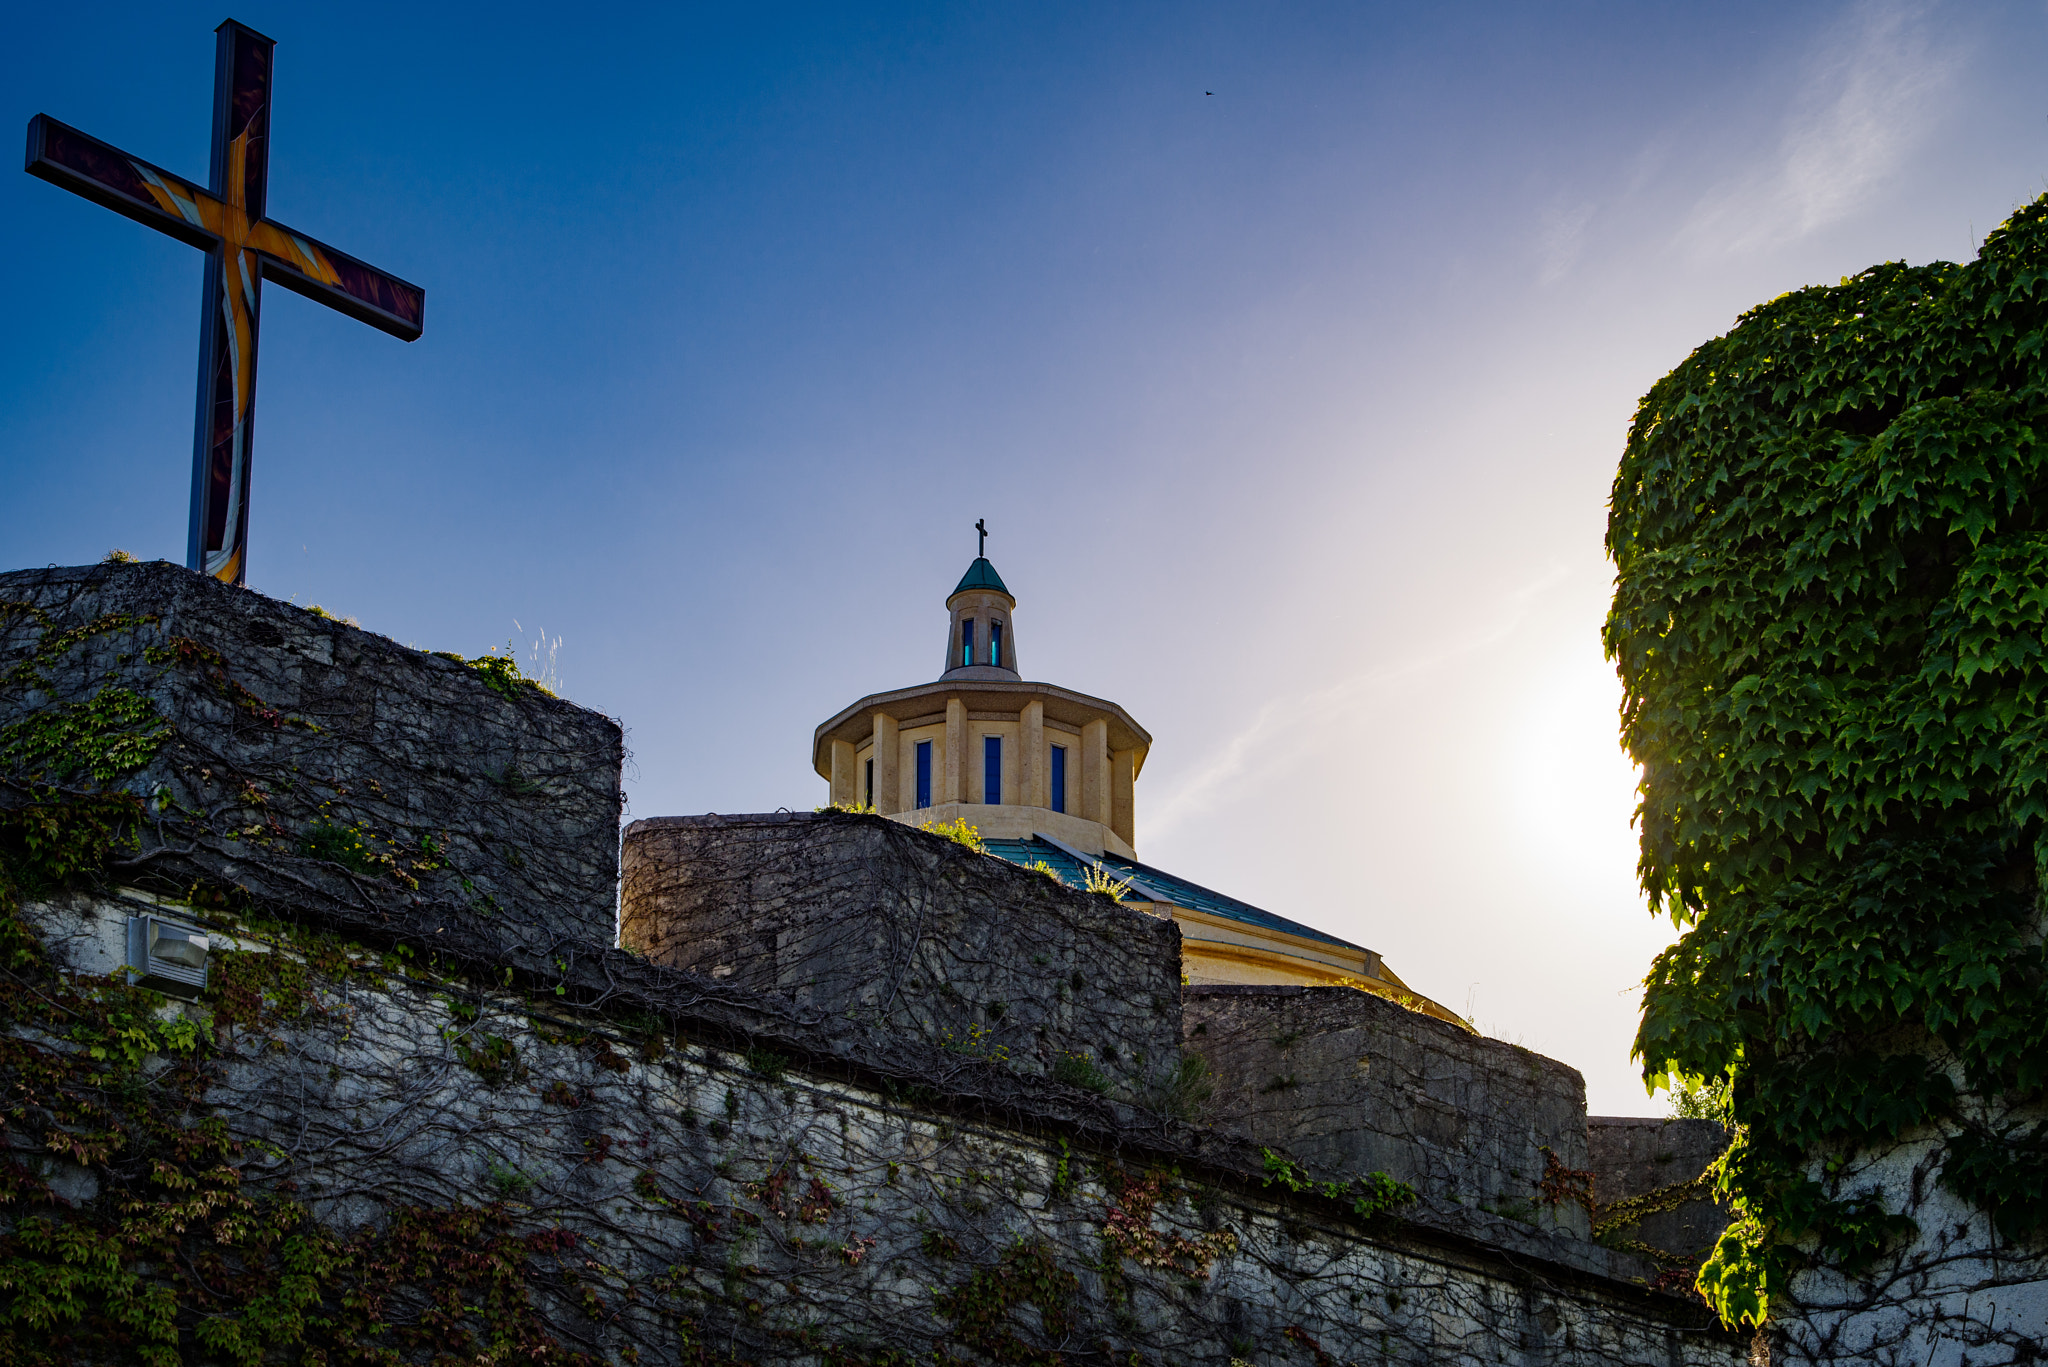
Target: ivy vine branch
(1830,528)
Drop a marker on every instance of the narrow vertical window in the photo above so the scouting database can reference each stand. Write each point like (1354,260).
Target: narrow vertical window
(995,644)
(992,770)
(871,783)
(967,642)
(924,774)
(1059,775)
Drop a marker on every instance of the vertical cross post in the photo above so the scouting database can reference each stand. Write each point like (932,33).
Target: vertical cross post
(229,308)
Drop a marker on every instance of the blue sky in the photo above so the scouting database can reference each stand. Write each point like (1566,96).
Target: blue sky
(1292,407)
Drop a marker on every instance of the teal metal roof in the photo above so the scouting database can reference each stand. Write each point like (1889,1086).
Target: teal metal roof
(1177,891)
(982,575)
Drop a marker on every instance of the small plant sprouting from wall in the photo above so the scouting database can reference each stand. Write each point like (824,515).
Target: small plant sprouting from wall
(764,1063)
(959,832)
(1186,1090)
(1077,1069)
(1370,1197)
(1560,1184)
(341,845)
(1100,880)
(1703,1099)
(495,1060)
(979,1041)
(501,675)
(1128,1233)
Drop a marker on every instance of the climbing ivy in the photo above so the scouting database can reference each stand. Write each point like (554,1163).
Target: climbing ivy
(109,734)
(1370,1197)
(1830,528)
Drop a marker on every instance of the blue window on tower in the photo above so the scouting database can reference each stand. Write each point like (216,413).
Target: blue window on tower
(924,774)
(1059,778)
(992,770)
(995,644)
(966,643)
(871,783)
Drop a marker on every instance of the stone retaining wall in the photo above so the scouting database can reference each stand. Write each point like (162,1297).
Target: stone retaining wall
(866,918)
(1634,1157)
(669,1196)
(1350,1083)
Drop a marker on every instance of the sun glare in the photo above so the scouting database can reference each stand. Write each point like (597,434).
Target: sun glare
(1572,786)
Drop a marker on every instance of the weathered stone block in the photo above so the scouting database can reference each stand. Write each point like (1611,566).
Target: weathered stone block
(1349,1083)
(312,765)
(1634,1157)
(867,918)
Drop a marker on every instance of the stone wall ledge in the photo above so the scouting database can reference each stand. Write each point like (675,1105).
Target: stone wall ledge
(600,980)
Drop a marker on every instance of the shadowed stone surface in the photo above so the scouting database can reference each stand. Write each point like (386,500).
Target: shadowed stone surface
(862,917)
(1350,1084)
(315,765)
(1633,1156)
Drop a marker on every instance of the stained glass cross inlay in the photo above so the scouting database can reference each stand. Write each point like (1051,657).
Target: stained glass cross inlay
(244,247)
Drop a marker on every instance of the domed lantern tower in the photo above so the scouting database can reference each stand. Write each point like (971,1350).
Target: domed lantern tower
(981,743)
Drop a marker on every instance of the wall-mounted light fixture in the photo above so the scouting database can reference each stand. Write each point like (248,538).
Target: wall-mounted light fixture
(167,955)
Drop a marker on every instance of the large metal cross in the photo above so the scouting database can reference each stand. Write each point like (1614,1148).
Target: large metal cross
(243,248)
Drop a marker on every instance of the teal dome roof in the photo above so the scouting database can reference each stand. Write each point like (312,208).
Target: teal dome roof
(982,575)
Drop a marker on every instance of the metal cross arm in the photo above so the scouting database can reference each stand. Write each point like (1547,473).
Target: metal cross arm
(244,247)
(149,194)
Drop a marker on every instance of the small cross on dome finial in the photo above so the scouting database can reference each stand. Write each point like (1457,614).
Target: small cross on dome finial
(981,525)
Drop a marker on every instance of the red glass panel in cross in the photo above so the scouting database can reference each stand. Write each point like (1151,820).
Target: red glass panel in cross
(243,248)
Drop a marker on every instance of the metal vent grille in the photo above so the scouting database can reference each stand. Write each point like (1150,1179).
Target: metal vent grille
(167,955)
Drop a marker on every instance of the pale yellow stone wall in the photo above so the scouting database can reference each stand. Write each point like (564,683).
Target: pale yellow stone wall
(1095,771)
(1027,767)
(885,750)
(1033,759)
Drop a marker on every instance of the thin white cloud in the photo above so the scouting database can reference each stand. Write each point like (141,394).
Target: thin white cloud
(1287,726)
(1560,236)
(1873,92)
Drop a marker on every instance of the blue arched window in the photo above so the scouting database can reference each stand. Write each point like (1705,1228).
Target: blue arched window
(995,644)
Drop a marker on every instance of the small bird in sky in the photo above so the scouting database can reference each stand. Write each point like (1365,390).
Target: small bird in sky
(1208,92)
